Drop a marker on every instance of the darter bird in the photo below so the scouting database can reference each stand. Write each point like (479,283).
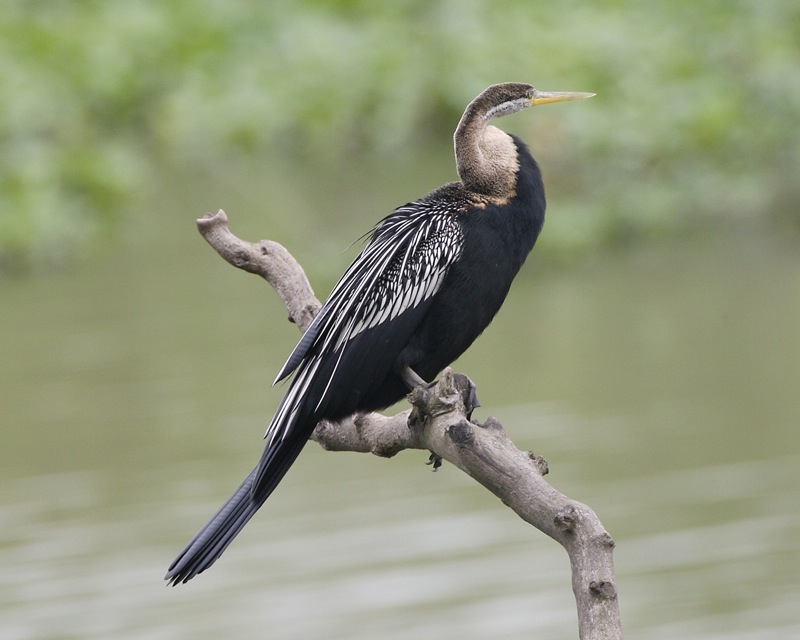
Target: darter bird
(430,279)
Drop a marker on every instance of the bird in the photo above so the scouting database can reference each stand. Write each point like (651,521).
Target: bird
(428,281)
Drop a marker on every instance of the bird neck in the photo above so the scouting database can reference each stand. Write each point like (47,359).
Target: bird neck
(486,157)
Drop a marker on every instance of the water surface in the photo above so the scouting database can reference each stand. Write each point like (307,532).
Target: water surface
(661,383)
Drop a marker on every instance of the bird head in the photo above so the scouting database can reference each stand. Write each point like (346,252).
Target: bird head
(486,157)
(509,97)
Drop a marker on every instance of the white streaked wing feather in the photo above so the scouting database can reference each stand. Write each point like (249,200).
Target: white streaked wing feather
(403,265)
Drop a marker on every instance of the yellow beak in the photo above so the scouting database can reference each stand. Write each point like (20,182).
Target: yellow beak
(545,97)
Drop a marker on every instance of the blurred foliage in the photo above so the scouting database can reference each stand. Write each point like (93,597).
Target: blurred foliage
(695,123)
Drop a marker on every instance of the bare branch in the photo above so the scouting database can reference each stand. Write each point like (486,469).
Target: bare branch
(439,422)
(487,454)
(368,433)
(267,259)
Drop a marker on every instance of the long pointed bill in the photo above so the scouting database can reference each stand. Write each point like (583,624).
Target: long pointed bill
(545,97)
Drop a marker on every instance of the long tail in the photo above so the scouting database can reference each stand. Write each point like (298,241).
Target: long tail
(209,543)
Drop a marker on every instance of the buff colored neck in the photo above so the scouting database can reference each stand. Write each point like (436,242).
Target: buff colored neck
(486,157)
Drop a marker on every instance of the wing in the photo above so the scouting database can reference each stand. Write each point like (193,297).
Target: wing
(369,316)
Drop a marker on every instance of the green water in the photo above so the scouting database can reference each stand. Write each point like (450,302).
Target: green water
(661,383)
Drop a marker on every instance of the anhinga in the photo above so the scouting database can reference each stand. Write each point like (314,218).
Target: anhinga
(429,281)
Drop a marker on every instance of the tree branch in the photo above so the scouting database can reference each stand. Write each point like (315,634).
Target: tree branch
(267,259)
(438,422)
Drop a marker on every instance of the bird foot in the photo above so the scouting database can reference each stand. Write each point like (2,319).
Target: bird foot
(469,394)
(435,460)
(419,389)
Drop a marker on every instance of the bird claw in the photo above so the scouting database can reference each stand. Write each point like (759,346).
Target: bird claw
(435,460)
(472,401)
(469,395)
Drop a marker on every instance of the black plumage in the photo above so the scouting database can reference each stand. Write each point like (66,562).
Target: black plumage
(430,279)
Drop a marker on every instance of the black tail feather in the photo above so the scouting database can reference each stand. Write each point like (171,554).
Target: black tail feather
(209,543)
